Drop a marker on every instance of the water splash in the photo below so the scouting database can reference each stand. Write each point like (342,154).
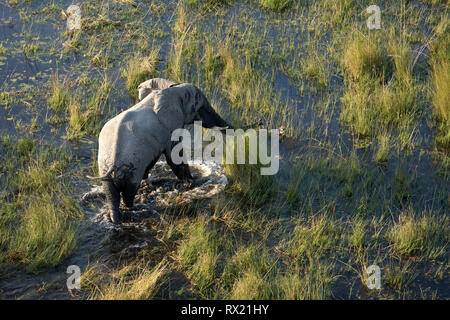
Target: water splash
(160,189)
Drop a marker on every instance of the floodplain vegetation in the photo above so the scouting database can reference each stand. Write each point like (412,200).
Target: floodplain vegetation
(364,117)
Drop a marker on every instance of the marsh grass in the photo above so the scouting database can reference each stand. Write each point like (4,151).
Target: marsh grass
(59,95)
(402,184)
(294,187)
(424,234)
(47,234)
(184,45)
(30,50)
(275,5)
(136,281)
(363,62)
(312,284)
(179,63)
(80,108)
(357,237)
(198,255)
(314,237)
(363,58)
(382,152)
(249,93)
(310,233)
(382,96)
(209,5)
(217,68)
(254,272)
(399,276)
(246,179)
(247,274)
(38,221)
(85,111)
(314,69)
(245,88)
(140,69)
(337,12)
(440,70)
(237,213)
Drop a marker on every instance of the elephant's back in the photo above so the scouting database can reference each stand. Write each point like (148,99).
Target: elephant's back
(129,139)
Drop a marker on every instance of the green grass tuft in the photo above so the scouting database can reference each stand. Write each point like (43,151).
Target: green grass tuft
(38,221)
(426,234)
(275,5)
(47,233)
(140,69)
(198,256)
(59,96)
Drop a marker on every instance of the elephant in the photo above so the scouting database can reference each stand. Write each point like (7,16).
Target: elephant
(132,142)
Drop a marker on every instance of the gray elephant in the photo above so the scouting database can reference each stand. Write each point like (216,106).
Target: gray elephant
(132,142)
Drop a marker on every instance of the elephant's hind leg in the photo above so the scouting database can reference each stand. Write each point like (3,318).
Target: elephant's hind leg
(113,199)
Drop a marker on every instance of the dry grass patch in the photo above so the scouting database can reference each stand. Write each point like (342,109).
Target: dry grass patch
(136,281)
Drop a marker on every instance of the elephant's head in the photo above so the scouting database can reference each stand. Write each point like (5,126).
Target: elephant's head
(143,92)
(197,108)
(146,87)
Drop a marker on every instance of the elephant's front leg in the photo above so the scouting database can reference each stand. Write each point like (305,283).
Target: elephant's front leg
(149,167)
(181,170)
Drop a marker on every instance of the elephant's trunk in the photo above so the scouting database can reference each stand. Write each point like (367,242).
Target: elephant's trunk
(210,118)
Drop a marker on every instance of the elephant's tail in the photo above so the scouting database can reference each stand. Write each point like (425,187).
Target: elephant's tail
(106,177)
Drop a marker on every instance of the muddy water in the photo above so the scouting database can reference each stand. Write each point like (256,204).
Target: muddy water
(160,189)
